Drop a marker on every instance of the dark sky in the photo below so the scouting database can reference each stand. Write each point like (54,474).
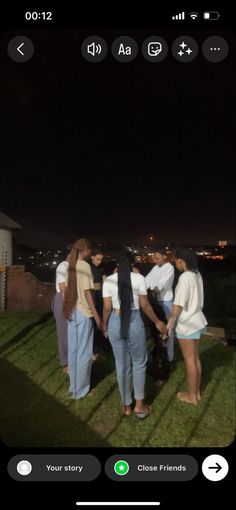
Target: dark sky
(116,151)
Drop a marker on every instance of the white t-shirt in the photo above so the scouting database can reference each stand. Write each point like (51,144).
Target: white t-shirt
(161,279)
(189,294)
(61,274)
(110,289)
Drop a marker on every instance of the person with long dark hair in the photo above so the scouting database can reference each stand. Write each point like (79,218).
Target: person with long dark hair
(124,292)
(79,310)
(191,322)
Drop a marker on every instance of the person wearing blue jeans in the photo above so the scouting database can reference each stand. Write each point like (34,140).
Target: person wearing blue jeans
(79,310)
(124,292)
(128,352)
(80,350)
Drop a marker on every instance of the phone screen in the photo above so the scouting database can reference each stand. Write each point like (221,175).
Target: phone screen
(117,258)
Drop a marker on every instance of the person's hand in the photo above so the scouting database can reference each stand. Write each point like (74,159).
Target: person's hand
(162,328)
(105,331)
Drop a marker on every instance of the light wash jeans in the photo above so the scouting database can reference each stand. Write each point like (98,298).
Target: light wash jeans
(167,307)
(130,356)
(62,328)
(80,349)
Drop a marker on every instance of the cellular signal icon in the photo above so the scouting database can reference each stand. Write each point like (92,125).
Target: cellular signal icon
(179,16)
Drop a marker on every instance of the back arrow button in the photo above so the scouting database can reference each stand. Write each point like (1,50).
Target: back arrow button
(20,49)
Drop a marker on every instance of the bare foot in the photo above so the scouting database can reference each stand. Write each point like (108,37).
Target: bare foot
(94,357)
(199,398)
(186,397)
(91,393)
(65,370)
(127,410)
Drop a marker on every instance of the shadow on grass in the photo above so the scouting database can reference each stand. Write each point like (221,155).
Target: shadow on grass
(102,367)
(30,417)
(25,331)
(154,384)
(216,356)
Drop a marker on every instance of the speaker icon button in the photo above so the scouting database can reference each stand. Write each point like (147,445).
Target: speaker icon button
(94,49)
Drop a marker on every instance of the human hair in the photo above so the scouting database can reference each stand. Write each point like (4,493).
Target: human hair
(189,257)
(96,251)
(161,250)
(71,292)
(125,293)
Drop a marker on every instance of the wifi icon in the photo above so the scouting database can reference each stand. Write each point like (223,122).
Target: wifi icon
(193,15)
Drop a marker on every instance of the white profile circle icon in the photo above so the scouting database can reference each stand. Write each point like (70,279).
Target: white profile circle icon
(24,467)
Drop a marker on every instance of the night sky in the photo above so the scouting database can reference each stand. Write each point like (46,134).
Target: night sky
(116,152)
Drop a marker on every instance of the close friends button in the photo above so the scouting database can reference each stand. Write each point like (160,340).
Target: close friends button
(144,468)
(54,468)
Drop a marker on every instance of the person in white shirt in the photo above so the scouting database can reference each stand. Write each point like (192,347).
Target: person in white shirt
(61,323)
(160,279)
(191,322)
(124,292)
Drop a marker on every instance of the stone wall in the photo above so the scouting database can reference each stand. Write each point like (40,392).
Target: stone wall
(25,292)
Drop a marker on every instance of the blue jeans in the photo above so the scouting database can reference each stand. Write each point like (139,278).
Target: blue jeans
(130,356)
(62,328)
(167,308)
(80,349)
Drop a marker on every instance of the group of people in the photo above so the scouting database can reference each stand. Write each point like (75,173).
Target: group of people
(88,304)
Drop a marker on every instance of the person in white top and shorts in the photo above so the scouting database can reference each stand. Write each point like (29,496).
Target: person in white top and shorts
(191,322)
(123,294)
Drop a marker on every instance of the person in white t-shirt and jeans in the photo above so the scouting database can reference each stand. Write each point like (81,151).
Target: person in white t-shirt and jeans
(191,322)
(124,292)
(160,279)
(57,308)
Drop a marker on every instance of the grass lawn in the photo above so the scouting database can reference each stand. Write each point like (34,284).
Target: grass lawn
(36,410)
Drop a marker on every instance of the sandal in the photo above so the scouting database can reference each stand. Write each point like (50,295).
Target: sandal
(143,414)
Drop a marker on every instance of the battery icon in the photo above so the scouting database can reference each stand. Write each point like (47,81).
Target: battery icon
(211,15)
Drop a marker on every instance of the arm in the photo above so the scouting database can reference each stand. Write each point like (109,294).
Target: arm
(176,311)
(148,310)
(107,307)
(62,287)
(89,299)
(181,298)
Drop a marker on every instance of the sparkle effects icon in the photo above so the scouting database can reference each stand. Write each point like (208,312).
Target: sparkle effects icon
(185,49)
(121,467)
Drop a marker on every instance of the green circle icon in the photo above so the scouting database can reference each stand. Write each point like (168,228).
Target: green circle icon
(121,467)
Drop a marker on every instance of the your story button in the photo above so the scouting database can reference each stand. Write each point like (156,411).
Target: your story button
(58,468)
(144,468)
